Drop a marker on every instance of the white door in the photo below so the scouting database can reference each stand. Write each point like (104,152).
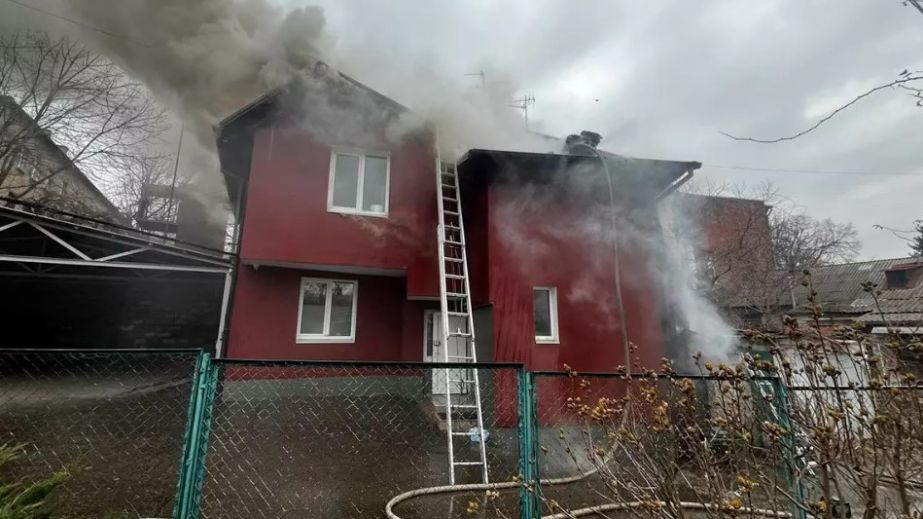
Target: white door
(435,352)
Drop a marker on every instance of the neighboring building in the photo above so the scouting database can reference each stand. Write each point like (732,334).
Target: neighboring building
(841,292)
(35,170)
(727,243)
(338,254)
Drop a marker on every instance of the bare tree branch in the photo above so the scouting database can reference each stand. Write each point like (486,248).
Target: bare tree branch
(57,93)
(903,79)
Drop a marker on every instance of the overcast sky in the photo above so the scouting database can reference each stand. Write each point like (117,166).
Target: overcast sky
(668,76)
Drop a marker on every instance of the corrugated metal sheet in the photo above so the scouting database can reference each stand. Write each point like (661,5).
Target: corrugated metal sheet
(839,290)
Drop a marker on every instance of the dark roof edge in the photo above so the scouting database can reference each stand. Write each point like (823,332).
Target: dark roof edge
(689,165)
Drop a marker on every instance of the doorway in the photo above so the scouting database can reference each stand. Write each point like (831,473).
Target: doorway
(435,351)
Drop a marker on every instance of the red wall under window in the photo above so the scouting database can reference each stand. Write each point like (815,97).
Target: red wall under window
(265,315)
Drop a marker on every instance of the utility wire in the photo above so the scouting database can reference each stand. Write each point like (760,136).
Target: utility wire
(78,23)
(815,171)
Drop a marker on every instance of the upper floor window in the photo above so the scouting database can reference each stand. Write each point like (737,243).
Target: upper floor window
(359,183)
(327,311)
(545,306)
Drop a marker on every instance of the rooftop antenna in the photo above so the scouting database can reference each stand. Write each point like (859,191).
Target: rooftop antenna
(179,150)
(523,104)
(480,74)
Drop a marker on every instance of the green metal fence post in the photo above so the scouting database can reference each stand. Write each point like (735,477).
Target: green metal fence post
(797,487)
(192,468)
(526,447)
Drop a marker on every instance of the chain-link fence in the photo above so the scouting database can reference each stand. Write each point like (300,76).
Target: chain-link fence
(307,439)
(634,441)
(114,421)
(274,439)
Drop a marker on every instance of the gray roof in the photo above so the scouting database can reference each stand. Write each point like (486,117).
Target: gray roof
(839,290)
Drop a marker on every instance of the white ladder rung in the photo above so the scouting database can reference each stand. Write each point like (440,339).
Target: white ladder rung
(452,250)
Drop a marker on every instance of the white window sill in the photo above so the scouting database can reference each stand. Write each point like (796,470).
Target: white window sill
(547,340)
(356,212)
(325,340)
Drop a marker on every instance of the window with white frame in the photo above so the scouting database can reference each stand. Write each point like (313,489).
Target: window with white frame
(359,183)
(545,307)
(327,311)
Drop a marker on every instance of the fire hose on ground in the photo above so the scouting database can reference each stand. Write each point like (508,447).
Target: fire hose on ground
(580,512)
(450,489)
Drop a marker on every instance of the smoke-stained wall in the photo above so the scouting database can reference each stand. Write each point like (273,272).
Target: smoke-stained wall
(555,230)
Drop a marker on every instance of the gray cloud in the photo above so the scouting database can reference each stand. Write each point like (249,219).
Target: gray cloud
(669,76)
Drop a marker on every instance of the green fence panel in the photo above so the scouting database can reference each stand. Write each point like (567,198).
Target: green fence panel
(341,439)
(114,420)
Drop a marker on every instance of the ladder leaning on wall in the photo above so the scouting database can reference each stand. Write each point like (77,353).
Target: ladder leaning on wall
(455,297)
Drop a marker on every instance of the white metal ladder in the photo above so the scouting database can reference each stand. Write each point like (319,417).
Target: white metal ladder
(455,296)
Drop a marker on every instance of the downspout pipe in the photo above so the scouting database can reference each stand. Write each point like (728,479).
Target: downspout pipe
(619,302)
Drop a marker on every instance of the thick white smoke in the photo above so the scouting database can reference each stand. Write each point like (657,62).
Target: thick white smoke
(706,330)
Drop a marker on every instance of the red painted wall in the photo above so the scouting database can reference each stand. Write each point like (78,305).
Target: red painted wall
(265,316)
(287,218)
(519,235)
(544,235)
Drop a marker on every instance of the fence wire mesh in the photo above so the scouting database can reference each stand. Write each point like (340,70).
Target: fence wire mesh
(875,432)
(319,440)
(606,438)
(114,421)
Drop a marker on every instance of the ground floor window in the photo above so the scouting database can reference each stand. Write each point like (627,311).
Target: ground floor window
(545,306)
(327,310)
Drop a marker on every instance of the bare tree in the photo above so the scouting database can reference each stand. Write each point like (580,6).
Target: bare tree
(60,91)
(750,246)
(800,242)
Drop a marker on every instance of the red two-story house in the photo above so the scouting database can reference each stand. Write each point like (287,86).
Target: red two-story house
(338,247)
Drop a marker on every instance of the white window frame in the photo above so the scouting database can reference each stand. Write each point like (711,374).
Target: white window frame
(553,310)
(362,154)
(324,337)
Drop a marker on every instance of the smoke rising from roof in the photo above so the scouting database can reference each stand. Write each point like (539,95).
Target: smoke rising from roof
(208,58)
